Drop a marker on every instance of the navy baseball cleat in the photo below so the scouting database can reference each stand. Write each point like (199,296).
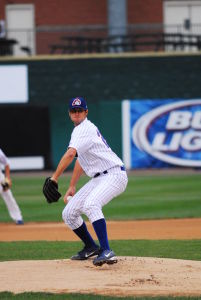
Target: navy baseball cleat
(86,252)
(105,257)
(19,222)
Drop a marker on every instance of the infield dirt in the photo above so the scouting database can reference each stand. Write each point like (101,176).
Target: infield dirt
(129,277)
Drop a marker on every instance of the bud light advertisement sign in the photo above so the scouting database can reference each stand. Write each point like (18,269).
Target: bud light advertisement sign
(162,133)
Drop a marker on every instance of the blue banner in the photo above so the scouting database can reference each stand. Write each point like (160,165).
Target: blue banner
(165,133)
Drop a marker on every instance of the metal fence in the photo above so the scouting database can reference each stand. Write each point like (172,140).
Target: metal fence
(95,39)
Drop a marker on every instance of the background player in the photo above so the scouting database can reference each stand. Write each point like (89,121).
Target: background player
(5,192)
(108,180)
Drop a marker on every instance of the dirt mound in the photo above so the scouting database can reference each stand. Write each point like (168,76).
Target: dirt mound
(129,277)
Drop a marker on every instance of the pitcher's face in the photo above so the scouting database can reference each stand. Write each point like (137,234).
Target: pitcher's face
(78,115)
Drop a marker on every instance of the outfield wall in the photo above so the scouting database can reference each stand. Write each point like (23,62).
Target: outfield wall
(105,81)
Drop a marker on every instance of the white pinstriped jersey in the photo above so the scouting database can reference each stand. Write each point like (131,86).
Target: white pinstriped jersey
(94,154)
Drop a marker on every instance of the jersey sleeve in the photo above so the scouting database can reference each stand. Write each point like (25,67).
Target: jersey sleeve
(80,140)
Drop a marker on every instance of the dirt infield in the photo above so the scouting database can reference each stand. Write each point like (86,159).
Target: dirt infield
(131,276)
(122,230)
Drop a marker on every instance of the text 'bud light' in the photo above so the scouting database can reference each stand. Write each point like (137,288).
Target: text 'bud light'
(171,133)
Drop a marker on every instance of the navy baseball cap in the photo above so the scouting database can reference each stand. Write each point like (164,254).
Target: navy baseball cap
(78,102)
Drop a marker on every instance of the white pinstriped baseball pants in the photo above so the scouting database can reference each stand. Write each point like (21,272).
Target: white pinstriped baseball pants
(12,206)
(90,199)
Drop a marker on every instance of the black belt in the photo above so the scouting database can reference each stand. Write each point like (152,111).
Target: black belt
(105,172)
(98,174)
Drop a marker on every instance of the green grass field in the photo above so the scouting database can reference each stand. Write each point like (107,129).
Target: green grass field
(41,296)
(36,250)
(146,197)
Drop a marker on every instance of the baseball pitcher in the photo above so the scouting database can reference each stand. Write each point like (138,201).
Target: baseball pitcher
(5,191)
(108,180)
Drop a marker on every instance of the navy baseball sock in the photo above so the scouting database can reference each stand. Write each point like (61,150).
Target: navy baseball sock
(101,232)
(84,235)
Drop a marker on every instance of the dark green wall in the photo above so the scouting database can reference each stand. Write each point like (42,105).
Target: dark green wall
(55,81)
(105,82)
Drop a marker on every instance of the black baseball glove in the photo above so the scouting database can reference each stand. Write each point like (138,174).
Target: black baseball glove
(50,190)
(6,184)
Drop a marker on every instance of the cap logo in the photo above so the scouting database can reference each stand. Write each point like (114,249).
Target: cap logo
(76,101)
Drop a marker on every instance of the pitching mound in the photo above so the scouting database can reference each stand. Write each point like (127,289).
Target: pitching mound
(129,277)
